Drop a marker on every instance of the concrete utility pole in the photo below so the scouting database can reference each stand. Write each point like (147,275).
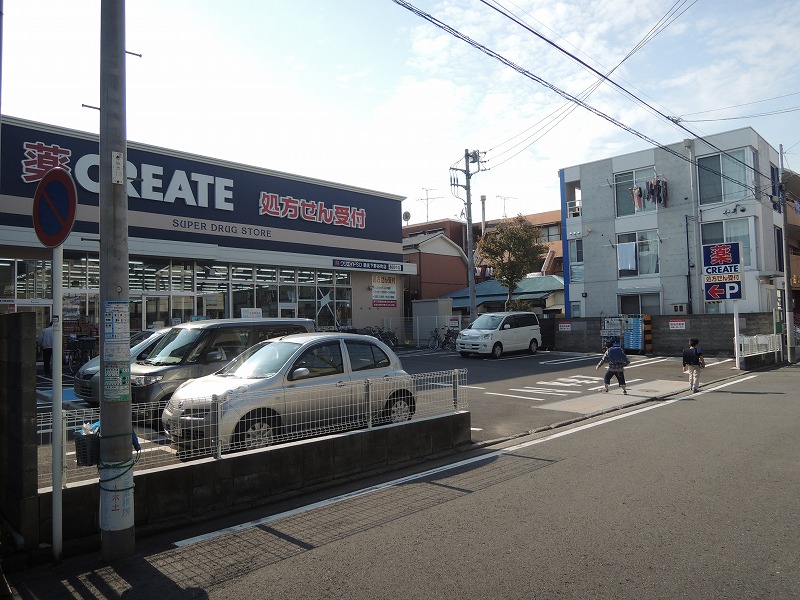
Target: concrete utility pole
(116,465)
(427,200)
(788,294)
(469,157)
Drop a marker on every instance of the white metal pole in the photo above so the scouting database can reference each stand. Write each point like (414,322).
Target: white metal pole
(736,334)
(57,442)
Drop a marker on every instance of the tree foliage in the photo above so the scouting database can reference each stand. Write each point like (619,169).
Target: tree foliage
(513,249)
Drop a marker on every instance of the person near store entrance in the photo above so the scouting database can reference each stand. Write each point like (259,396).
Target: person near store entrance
(693,361)
(617,361)
(45,342)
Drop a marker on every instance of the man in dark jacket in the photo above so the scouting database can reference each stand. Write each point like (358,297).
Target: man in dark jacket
(693,361)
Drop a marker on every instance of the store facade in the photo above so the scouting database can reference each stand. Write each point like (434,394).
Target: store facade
(207,239)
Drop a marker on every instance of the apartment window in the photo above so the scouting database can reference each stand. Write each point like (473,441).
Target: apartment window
(631,191)
(575,261)
(575,309)
(551,233)
(639,304)
(722,177)
(726,232)
(637,253)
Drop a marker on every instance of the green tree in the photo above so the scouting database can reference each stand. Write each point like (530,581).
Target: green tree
(513,249)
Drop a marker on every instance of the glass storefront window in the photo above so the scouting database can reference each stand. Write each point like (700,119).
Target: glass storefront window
(286,275)
(93,273)
(182,309)
(7,278)
(135,275)
(266,275)
(305,276)
(267,300)
(182,276)
(241,272)
(307,301)
(325,277)
(343,278)
(344,306)
(33,279)
(326,315)
(242,297)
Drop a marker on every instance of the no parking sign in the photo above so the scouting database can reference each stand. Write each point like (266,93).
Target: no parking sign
(54,207)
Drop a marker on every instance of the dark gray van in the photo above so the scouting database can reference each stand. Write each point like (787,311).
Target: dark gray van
(199,348)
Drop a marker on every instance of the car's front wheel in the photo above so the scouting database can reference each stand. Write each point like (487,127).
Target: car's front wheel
(399,408)
(256,430)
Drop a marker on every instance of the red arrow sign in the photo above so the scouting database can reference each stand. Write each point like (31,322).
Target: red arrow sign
(715,291)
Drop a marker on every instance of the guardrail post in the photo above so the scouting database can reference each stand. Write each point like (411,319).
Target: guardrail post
(368,398)
(455,389)
(216,414)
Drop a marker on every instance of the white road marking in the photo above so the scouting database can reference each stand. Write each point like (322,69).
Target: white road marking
(437,470)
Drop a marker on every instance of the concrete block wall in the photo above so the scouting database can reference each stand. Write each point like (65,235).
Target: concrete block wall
(715,333)
(18,444)
(179,495)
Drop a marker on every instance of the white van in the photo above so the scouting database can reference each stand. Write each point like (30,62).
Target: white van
(496,333)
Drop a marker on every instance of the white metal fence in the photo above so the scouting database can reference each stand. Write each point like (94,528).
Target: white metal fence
(217,425)
(751,345)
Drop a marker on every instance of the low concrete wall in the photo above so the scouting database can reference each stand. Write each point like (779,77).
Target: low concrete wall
(182,494)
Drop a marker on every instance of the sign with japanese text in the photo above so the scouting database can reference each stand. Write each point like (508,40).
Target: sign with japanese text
(722,272)
(384,290)
(675,324)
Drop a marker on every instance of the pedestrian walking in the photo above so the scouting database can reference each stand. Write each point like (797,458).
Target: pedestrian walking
(45,341)
(693,361)
(617,361)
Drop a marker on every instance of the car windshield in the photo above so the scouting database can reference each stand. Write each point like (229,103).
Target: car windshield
(143,345)
(174,346)
(487,322)
(262,360)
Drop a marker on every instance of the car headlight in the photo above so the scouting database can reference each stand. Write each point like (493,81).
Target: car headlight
(485,336)
(143,380)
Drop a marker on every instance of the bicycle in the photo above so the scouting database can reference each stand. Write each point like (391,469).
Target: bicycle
(449,342)
(79,352)
(435,340)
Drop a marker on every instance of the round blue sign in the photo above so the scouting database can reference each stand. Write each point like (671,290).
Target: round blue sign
(54,207)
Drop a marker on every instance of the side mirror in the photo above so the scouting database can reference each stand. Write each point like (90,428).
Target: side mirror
(215,356)
(301,373)
(506,325)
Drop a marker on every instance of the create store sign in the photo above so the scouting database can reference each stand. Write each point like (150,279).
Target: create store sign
(722,272)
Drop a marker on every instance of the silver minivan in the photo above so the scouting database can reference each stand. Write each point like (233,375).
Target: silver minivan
(199,348)
(496,333)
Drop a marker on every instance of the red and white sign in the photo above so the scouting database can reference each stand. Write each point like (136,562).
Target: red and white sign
(565,326)
(677,324)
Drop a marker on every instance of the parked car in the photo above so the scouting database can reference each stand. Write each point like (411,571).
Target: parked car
(496,333)
(284,386)
(140,336)
(199,348)
(86,384)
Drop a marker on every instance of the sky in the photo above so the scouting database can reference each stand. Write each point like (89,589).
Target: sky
(370,94)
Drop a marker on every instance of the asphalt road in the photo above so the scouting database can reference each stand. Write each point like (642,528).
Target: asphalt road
(688,497)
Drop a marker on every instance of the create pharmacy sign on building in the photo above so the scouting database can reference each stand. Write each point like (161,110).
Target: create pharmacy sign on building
(722,272)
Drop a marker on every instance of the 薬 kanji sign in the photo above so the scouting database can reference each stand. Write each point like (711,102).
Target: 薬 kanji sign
(722,271)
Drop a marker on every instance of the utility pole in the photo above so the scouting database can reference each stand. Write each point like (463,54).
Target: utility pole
(117,538)
(427,200)
(788,294)
(469,157)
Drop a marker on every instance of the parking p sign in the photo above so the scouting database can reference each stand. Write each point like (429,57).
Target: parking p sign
(722,271)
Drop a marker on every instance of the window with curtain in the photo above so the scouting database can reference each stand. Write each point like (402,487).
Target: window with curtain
(575,261)
(723,177)
(637,253)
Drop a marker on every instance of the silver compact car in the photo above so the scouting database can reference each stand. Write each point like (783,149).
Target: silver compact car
(292,386)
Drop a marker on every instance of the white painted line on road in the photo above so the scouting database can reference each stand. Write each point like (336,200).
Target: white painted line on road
(437,470)
(645,363)
(513,396)
(562,361)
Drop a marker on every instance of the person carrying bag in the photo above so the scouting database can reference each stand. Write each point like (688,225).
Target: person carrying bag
(693,361)
(617,361)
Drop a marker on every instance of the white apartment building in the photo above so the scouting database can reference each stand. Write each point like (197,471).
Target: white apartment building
(634,227)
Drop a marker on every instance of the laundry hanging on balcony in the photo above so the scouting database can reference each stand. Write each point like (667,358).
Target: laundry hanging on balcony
(626,256)
(656,190)
(637,194)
